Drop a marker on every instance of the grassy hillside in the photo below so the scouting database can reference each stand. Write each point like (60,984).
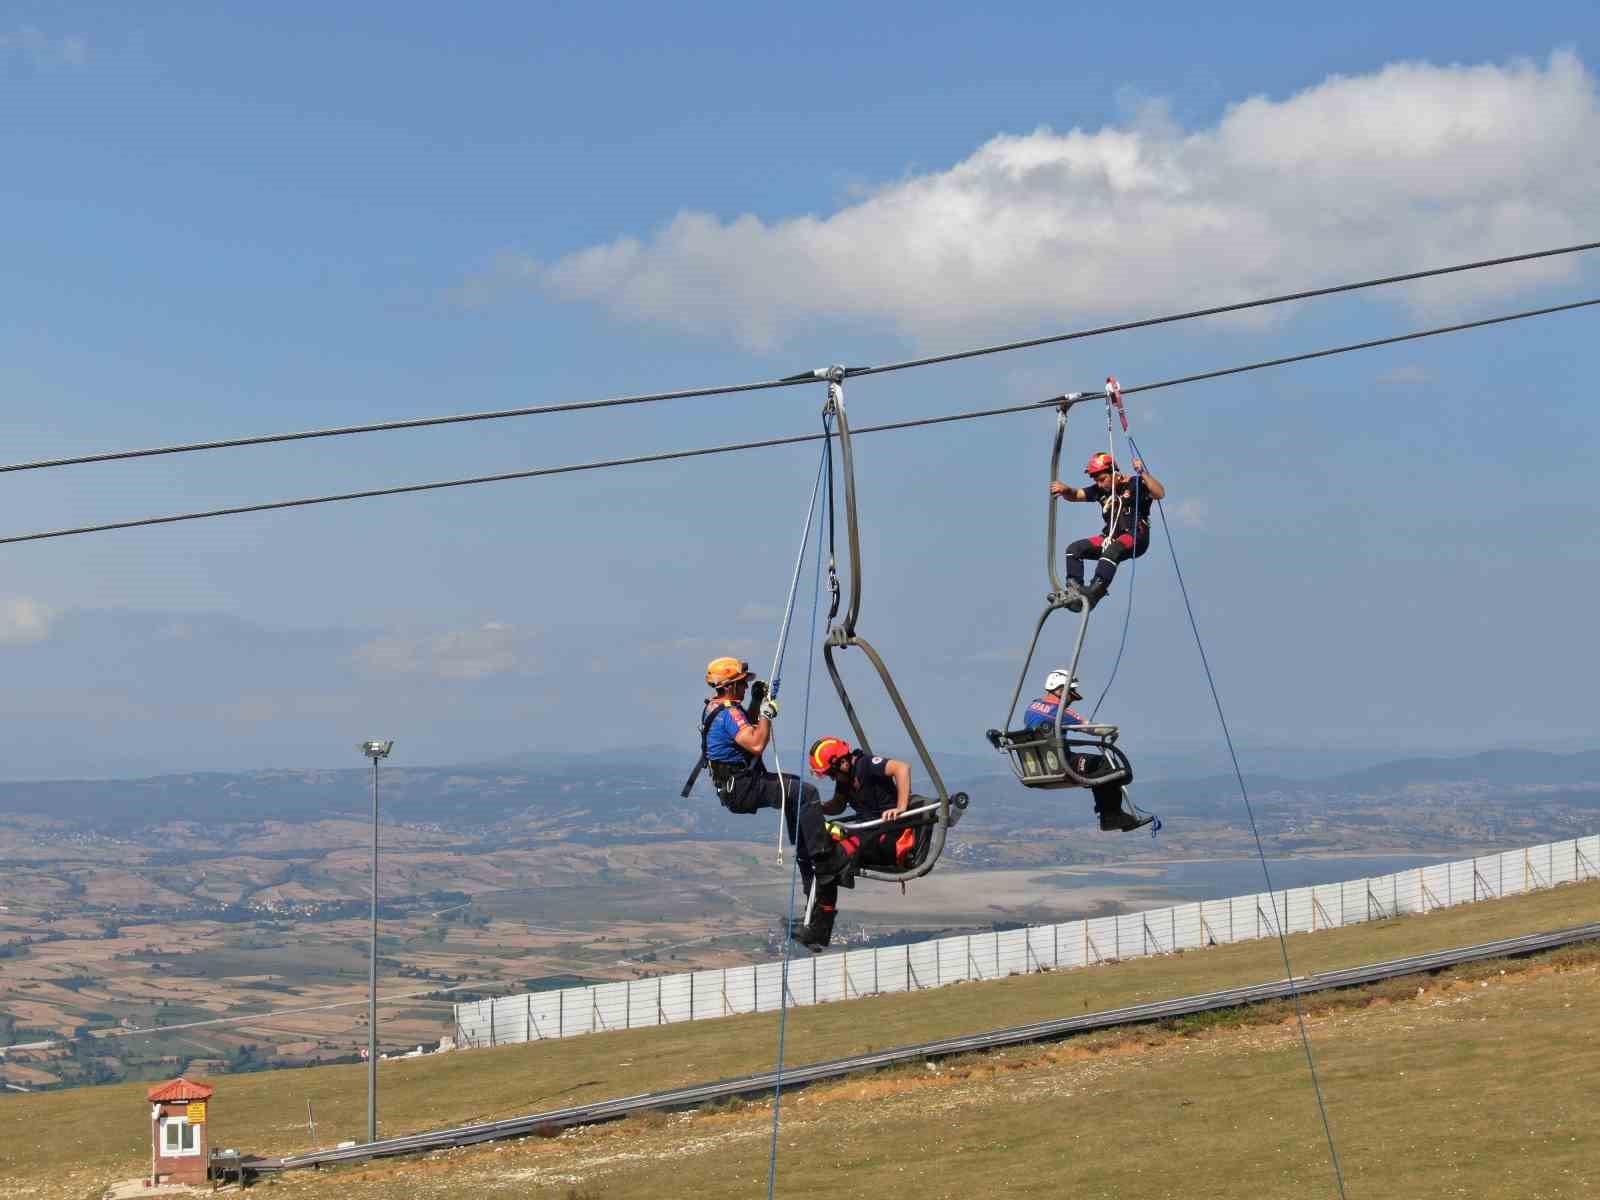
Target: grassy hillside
(100,1132)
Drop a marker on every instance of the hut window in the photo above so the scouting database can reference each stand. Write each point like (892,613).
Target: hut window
(179,1137)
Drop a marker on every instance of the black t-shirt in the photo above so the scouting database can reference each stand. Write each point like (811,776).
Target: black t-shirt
(1119,502)
(876,793)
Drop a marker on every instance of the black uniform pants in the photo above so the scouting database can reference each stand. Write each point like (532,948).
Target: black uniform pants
(877,850)
(802,812)
(1109,552)
(1108,796)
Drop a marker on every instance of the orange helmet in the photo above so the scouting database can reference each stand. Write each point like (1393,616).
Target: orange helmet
(826,752)
(1100,463)
(720,672)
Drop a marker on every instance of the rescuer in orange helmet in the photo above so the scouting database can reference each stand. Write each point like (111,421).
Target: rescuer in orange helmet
(731,746)
(1125,502)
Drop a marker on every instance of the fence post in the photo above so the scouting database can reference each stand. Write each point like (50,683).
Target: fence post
(527,1020)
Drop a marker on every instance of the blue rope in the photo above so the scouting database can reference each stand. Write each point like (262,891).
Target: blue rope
(1127,614)
(788,616)
(794,870)
(1283,941)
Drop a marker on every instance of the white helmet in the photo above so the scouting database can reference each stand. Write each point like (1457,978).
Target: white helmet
(1059,679)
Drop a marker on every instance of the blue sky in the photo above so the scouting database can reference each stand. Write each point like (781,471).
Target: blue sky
(223,221)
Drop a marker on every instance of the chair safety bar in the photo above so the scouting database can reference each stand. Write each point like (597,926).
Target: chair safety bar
(858,826)
(844,635)
(1041,760)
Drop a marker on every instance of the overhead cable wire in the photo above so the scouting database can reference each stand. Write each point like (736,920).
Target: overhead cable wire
(1216,310)
(267,439)
(764,443)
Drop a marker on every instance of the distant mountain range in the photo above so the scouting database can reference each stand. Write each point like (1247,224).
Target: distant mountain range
(605,796)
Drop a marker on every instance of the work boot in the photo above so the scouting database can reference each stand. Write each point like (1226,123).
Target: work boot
(1110,820)
(816,933)
(1074,600)
(837,862)
(1095,592)
(994,737)
(1127,820)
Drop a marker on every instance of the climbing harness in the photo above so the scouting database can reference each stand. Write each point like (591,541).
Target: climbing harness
(1062,755)
(930,817)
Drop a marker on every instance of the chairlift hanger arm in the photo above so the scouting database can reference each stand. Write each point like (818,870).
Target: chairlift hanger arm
(843,635)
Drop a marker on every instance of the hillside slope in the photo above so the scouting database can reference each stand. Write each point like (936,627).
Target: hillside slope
(101,1131)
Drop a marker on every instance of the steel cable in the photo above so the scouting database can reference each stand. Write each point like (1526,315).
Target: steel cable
(790,381)
(763,443)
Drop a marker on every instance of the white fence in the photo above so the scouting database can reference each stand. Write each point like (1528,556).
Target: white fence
(700,995)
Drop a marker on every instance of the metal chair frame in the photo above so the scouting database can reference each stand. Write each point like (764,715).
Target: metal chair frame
(938,814)
(1047,762)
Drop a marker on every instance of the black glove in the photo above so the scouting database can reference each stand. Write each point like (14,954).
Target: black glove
(758,697)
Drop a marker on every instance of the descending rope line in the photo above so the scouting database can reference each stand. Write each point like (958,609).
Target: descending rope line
(763,443)
(1255,832)
(731,389)
(783,646)
(1127,613)
(805,733)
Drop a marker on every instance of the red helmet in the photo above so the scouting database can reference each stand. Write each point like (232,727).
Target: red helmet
(826,752)
(1099,464)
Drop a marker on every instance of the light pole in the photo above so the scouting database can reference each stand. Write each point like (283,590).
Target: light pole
(374,751)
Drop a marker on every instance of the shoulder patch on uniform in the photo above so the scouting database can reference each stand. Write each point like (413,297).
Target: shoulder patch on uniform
(877,760)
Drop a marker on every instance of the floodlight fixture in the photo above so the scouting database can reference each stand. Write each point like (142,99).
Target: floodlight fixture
(376,750)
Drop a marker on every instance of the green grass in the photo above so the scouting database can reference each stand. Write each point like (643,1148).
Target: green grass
(99,1133)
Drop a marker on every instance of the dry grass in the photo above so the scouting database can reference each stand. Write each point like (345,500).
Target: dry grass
(1469,1088)
(1151,1101)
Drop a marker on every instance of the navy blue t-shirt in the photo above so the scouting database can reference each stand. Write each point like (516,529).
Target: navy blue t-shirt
(877,793)
(1123,504)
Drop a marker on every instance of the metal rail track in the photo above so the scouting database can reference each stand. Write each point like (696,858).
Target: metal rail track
(1039,1031)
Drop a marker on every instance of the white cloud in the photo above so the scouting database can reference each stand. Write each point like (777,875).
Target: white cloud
(1191,513)
(43,51)
(492,648)
(24,621)
(1404,376)
(1415,165)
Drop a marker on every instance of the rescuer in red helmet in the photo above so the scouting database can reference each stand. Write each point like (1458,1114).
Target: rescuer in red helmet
(1125,502)
(875,788)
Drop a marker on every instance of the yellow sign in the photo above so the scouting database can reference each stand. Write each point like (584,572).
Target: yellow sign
(196,1113)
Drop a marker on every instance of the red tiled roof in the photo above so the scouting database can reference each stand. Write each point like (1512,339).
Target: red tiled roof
(179,1089)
